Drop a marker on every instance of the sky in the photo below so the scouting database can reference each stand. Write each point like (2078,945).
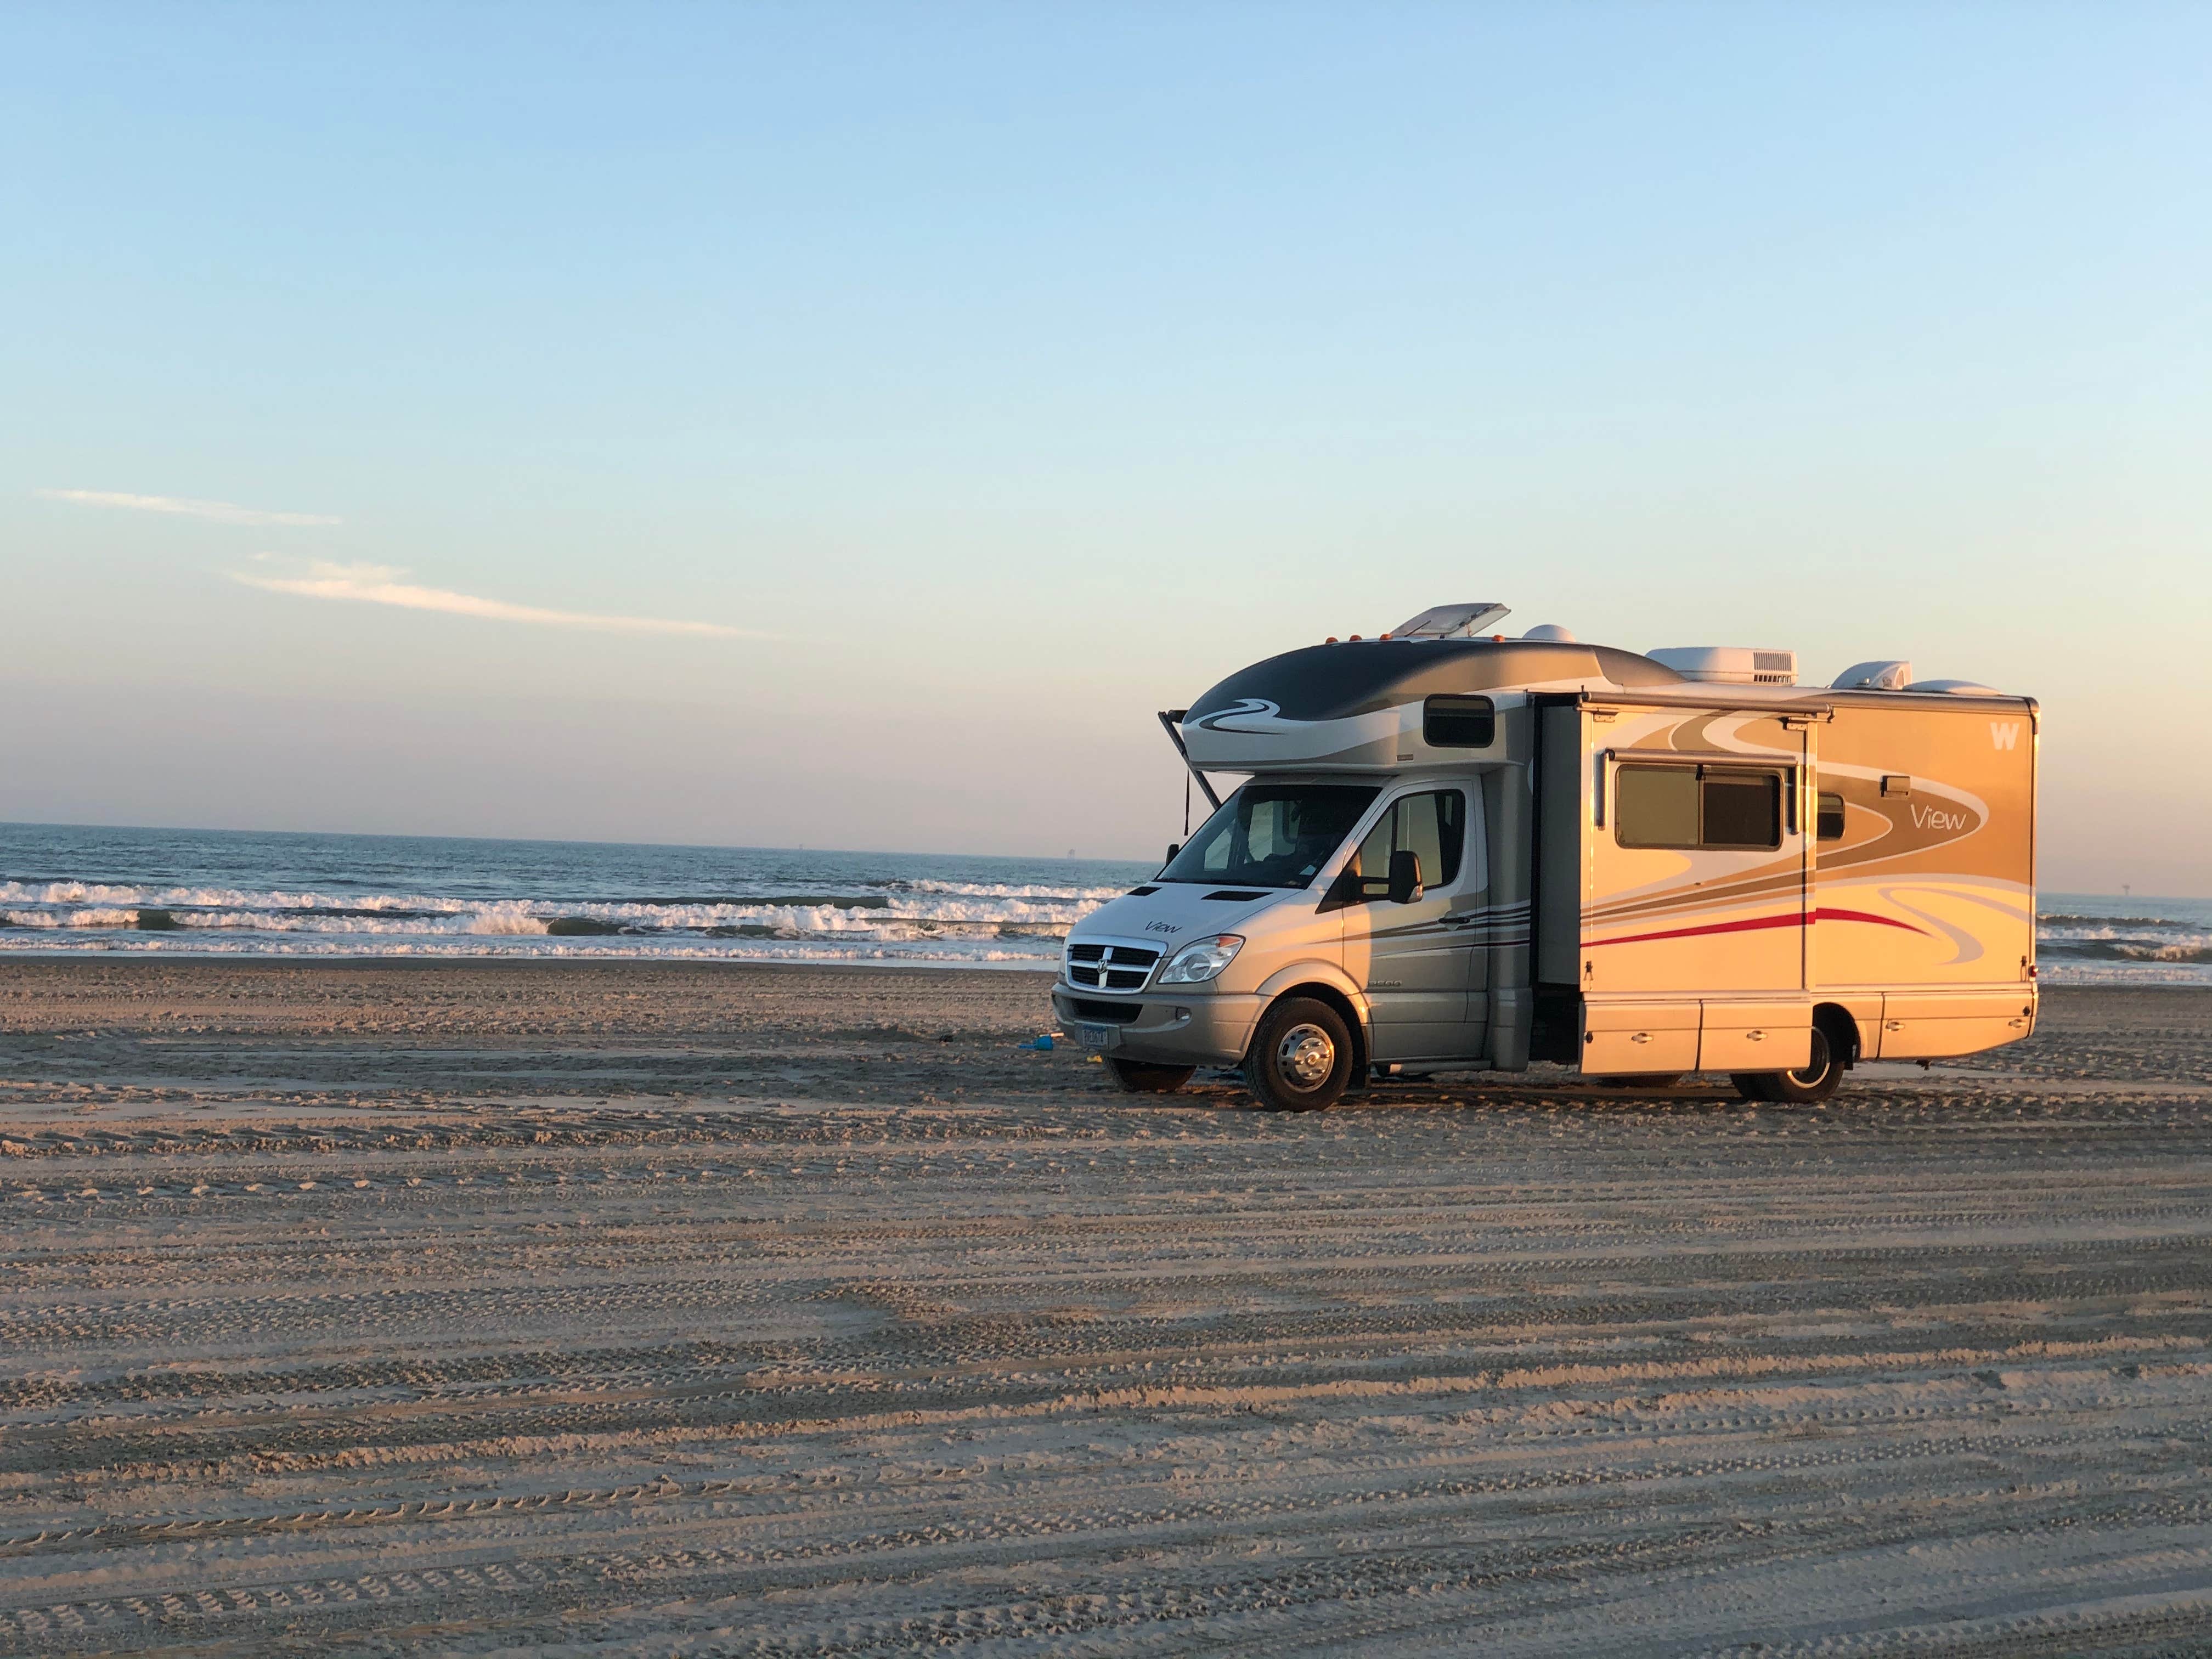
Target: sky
(846,425)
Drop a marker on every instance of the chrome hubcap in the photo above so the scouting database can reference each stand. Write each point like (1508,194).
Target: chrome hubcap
(1811,1074)
(1306,1056)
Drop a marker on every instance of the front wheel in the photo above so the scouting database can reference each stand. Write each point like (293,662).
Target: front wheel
(1137,1077)
(1301,1056)
(1808,1085)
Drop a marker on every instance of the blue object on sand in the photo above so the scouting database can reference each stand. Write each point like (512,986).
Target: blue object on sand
(1044,1042)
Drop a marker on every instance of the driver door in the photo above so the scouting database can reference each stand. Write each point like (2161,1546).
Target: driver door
(1416,966)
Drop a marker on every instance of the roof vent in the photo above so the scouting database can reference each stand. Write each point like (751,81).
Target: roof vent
(1451,621)
(1551,631)
(1873,677)
(1729,664)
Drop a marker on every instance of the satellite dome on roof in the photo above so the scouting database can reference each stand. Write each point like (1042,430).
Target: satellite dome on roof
(1876,676)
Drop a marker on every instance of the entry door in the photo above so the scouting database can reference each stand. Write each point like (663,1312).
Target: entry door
(1698,860)
(1419,960)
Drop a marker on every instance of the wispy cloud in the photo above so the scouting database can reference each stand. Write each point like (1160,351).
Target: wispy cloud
(377,584)
(184,507)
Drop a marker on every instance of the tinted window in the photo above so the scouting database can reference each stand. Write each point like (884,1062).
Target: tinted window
(1272,834)
(1459,722)
(1828,820)
(1658,806)
(1431,826)
(1741,811)
(1685,806)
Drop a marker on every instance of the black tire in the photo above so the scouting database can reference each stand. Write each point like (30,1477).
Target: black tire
(1809,1086)
(1139,1077)
(1301,1057)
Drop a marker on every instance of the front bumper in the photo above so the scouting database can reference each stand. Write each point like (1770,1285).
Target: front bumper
(1211,1029)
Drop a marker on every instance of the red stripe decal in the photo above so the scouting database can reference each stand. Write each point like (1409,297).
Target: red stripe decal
(1755,923)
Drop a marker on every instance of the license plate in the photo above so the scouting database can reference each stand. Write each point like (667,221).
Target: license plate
(1095,1037)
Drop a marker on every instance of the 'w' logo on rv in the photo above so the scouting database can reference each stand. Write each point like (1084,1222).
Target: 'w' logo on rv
(2004,733)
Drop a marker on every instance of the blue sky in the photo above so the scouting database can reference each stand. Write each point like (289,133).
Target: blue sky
(974,380)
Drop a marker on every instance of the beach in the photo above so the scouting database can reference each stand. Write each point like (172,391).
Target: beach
(658,1307)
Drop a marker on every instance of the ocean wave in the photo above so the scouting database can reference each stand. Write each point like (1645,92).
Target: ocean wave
(876,896)
(2126,972)
(2197,950)
(896,913)
(2062,919)
(933,952)
(89,917)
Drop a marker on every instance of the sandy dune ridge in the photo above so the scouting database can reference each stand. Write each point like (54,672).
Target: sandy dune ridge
(467,1307)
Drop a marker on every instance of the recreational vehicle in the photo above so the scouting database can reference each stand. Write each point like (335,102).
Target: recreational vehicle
(1455,849)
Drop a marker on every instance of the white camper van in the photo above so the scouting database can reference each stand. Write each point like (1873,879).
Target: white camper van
(1459,850)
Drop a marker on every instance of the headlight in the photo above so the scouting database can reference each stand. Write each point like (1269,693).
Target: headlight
(1201,959)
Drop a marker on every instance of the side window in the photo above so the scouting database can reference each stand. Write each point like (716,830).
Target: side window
(1459,722)
(1657,806)
(1744,810)
(1371,864)
(1689,807)
(1433,826)
(1828,819)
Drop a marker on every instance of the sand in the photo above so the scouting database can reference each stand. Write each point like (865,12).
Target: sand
(464,1308)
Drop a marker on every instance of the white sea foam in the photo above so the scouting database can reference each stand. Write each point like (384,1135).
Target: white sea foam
(936,952)
(939,921)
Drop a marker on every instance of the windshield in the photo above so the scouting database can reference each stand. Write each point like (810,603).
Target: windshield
(1272,834)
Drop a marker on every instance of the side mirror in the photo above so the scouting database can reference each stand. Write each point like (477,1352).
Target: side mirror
(1405,876)
(1174,847)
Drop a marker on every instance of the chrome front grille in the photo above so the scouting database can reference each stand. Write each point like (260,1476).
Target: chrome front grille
(1110,967)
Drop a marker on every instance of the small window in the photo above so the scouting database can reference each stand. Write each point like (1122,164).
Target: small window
(1741,811)
(1459,722)
(1828,816)
(1704,806)
(1433,827)
(1658,806)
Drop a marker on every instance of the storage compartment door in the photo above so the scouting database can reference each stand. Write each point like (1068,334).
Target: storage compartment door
(1756,1036)
(1623,1038)
(1938,1026)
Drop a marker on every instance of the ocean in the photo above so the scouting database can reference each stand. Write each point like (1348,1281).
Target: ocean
(231,892)
(241,893)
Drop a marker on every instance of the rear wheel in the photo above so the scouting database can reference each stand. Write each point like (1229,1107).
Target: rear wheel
(1301,1057)
(1811,1083)
(1139,1077)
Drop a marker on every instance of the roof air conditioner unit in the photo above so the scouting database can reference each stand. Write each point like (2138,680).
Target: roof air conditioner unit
(1729,664)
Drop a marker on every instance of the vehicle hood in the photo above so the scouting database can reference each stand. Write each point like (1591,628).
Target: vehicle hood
(1176,911)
